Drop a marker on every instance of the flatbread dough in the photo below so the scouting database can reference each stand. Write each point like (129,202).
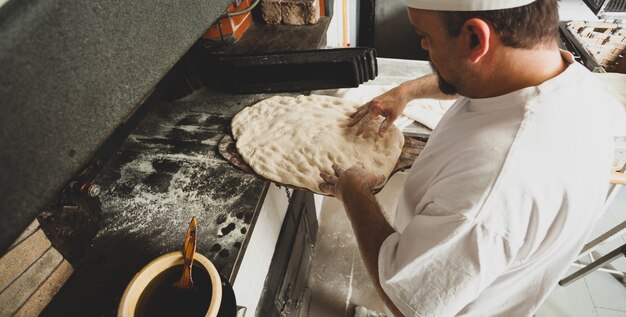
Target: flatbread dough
(290,140)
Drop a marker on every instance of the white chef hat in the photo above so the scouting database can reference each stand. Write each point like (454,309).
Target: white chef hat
(466,5)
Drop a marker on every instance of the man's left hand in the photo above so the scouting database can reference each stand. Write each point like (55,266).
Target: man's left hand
(356,178)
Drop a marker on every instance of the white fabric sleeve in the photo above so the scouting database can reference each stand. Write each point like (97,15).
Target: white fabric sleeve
(439,264)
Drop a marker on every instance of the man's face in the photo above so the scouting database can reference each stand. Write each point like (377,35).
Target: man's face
(440,48)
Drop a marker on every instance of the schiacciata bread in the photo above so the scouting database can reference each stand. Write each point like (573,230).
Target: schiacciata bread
(290,140)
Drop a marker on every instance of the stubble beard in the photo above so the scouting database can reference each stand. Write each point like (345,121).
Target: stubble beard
(445,87)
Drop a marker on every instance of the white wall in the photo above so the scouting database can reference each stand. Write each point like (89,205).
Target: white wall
(342,31)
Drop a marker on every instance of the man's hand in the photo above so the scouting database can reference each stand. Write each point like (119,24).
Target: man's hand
(389,105)
(355,178)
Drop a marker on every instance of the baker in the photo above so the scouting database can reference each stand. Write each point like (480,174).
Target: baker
(512,179)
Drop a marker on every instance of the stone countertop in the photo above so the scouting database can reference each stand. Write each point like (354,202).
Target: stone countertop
(168,170)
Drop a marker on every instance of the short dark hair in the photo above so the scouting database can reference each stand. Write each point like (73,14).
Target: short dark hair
(529,26)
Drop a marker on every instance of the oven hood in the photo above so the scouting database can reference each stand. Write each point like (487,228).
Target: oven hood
(71,73)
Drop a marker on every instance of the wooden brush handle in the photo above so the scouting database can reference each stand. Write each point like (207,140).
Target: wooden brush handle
(186,281)
(190,244)
(189,249)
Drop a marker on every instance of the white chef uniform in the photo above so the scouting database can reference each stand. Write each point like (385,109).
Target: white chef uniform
(501,200)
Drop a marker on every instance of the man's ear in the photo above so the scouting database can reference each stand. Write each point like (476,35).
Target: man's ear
(477,33)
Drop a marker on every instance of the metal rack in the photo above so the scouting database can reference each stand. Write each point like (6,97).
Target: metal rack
(607,8)
(599,45)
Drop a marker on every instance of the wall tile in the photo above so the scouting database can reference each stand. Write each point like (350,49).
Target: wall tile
(606,291)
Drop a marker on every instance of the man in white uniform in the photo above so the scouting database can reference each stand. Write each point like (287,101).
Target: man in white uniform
(511,181)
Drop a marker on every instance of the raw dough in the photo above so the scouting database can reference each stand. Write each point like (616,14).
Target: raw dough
(291,139)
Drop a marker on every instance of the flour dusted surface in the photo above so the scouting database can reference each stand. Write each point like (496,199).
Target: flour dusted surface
(290,140)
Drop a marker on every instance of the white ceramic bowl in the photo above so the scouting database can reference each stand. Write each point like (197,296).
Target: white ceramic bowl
(138,284)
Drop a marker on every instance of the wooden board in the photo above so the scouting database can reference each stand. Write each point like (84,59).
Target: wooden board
(411,149)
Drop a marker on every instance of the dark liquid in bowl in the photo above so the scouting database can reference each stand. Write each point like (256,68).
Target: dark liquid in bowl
(160,298)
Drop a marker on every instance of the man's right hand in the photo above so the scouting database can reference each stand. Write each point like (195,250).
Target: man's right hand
(389,105)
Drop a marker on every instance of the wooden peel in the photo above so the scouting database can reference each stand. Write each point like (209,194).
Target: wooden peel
(185,281)
(411,149)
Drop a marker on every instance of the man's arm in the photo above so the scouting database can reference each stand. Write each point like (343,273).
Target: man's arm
(426,86)
(391,104)
(368,223)
(371,229)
